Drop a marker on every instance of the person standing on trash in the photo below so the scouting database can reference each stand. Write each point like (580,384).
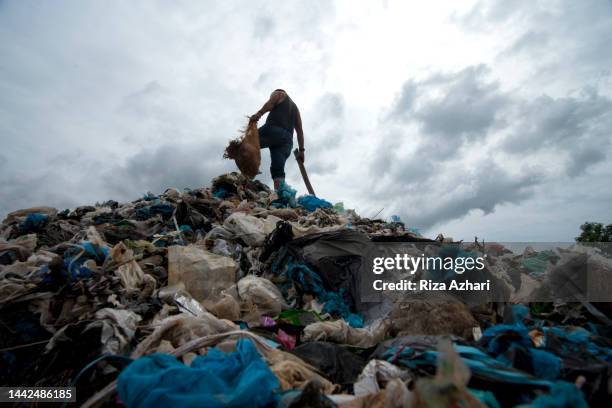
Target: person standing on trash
(277,133)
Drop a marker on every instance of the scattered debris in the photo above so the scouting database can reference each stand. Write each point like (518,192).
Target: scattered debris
(238,295)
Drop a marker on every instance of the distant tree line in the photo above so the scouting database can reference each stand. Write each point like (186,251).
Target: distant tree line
(595,232)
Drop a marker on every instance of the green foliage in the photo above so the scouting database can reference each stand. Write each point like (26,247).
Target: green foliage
(595,232)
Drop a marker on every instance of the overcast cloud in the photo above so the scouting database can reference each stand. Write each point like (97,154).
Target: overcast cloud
(487,118)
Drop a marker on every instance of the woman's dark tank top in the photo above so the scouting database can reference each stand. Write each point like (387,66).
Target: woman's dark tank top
(283,114)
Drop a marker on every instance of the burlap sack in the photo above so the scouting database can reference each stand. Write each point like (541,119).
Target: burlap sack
(245,151)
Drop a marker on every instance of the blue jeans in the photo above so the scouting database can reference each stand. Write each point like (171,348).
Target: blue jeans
(280,143)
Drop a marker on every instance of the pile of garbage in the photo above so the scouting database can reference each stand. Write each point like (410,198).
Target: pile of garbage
(237,295)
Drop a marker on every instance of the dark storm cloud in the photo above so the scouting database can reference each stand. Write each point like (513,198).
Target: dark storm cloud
(584,157)
(561,37)
(20,191)
(452,105)
(55,185)
(548,122)
(577,126)
(425,160)
(384,155)
(483,188)
(59,181)
(449,110)
(529,41)
(405,102)
(156,169)
(170,165)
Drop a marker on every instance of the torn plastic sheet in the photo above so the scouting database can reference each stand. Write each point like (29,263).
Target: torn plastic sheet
(177,295)
(118,328)
(375,374)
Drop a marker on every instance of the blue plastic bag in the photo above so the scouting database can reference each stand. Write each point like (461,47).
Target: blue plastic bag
(286,196)
(33,222)
(218,379)
(335,304)
(220,193)
(144,213)
(75,257)
(311,203)
(562,395)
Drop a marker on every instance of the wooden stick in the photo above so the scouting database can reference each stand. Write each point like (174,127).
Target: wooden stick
(304,174)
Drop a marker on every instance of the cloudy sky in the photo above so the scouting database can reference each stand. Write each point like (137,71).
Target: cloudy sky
(486,118)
